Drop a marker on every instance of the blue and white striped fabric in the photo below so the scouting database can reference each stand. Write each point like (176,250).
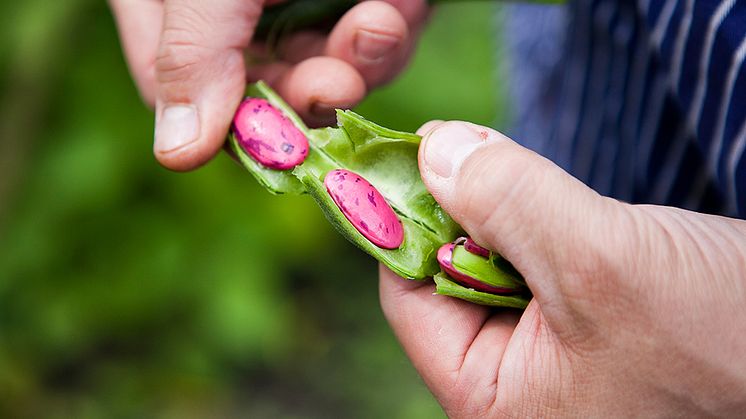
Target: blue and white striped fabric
(645,103)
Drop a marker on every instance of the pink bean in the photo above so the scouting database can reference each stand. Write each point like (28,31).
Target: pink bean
(365,208)
(472,247)
(268,136)
(445,257)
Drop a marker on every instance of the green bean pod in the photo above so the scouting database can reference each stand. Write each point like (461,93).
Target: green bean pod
(385,161)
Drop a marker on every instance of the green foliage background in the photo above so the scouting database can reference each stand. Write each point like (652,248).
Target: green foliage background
(130,291)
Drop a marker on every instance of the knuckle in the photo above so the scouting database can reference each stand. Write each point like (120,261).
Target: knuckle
(175,62)
(181,48)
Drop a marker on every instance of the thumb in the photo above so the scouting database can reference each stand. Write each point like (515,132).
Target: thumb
(200,75)
(553,228)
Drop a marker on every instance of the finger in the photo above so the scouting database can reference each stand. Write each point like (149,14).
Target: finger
(200,73)
(455,346)
(374,38)
(428,126)
(271,73)
(553,228)
(415,12)
(139,23)
(296,47)
(318,86)
(300,46)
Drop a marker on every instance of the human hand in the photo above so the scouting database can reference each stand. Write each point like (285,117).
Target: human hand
(188,59)
(637,310)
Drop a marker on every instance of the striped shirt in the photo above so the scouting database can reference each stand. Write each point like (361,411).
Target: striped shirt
(644,101)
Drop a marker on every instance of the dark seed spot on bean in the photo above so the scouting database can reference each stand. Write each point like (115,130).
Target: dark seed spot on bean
(257,145)
(372,198)
(363,225)
(287,148)
(357,202)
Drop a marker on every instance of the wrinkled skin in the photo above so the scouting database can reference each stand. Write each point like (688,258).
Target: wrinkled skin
(639,311)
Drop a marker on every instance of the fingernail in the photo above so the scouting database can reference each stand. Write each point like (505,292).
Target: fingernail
(372,46)
(177,126)
(448,145)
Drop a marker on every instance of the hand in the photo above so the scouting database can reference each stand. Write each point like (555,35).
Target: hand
(637,310)
(187,58)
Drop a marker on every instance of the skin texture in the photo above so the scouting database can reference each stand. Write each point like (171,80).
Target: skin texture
(638,310)
(191,59)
